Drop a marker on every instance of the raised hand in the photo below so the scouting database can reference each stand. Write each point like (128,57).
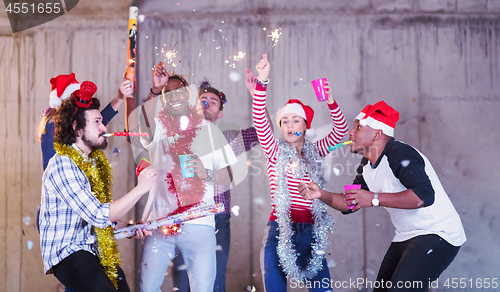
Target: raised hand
(263,68)
(125,88)
(328,91)
(250,81)
(160,77)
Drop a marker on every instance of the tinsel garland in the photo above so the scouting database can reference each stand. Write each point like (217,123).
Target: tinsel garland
(187,189)
(289,160)
(99,173)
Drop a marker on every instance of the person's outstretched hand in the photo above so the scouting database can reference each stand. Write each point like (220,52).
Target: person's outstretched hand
(250,81)
(160,77)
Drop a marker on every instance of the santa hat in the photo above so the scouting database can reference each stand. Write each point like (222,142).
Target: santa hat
(379,116)
(295,106)
(62,88)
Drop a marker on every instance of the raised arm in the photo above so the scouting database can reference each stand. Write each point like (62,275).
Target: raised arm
(261,121)
(339,129)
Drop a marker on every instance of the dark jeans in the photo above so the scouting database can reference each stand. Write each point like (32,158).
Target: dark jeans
(412,264)
(82,272)
(223,236)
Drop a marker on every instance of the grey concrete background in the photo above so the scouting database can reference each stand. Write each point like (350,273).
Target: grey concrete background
(435,61)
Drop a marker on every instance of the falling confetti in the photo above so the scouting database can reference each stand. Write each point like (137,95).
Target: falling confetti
(251,288)
(116,150)
(331,263)
(320,252)
(30,244)
(26,220)
(430,250)
(235,210)
(182,267)
(259,201)
(234,76)
(184,122)
(218,247)
(405,163)
(336,171)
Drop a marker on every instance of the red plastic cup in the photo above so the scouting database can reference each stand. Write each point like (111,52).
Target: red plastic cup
(319,89)
(351,187)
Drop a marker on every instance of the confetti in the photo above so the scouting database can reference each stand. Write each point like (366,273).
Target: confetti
(30,244)
(336,171)
(234,76)
(235,210)
(259,201)
(184,122)
(218,247)
(116,150)
(430,250)
(320,252)
(331,263)
(182,267)
(26,220)
(405,163)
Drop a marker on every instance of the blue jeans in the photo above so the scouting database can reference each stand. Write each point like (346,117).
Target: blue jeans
(274,278)
(180,278)
(197,244)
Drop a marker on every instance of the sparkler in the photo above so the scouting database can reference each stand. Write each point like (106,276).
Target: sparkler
(275,37)
(170,55)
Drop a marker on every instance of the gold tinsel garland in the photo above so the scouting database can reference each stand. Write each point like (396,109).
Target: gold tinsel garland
(100,177)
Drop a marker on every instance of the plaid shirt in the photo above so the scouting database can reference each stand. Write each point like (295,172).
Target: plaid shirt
(238,143)
(69,211)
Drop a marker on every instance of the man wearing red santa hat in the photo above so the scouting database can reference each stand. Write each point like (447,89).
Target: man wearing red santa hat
(76,234)
(399,178)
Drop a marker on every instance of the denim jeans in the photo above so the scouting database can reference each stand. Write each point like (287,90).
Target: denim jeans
(274,278)
(197,245)
(223,236)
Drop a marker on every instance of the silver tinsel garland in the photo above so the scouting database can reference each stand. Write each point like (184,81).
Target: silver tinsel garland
(288,159)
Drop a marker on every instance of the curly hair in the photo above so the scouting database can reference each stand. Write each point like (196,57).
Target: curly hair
(68,113)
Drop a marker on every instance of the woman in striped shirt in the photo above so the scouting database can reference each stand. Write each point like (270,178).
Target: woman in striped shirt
(296,237)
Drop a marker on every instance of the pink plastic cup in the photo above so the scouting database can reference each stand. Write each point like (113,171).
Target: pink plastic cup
(319,89)
(351,187)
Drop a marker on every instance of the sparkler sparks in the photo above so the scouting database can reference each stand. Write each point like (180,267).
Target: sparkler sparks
(240,56)
(275,37)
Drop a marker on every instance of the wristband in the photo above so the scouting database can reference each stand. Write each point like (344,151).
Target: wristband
(151,90)
(263,83)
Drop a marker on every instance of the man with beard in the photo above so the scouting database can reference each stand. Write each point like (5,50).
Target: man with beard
(179,129)
(77,211)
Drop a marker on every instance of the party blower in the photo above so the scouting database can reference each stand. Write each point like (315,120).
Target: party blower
(331,148)
(126,134)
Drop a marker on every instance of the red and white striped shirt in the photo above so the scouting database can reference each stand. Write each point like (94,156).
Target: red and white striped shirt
(299,208)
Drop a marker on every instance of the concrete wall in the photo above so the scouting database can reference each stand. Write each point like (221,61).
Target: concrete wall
(434,61)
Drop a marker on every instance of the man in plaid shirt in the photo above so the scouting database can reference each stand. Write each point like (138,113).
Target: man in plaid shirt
(212,102)
(70,211)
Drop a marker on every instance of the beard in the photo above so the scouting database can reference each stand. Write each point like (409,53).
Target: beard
(94,145)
